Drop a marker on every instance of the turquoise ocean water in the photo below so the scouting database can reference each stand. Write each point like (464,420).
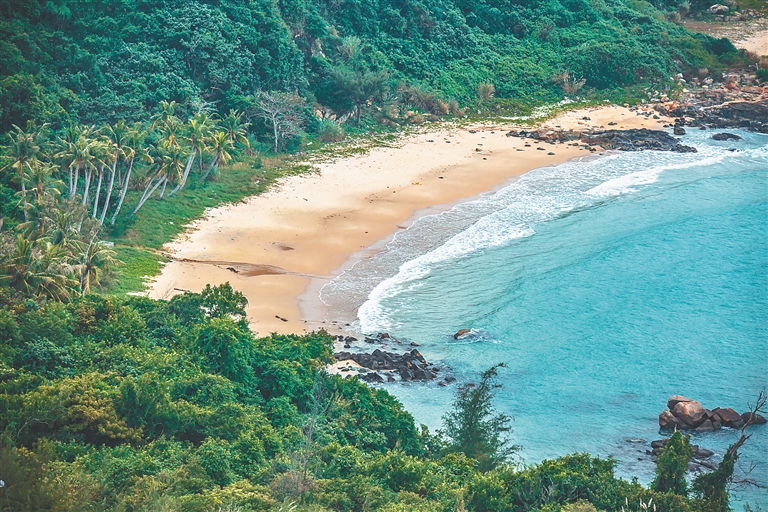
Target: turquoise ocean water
(606,286)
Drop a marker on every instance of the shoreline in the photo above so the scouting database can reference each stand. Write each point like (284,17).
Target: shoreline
(279,248)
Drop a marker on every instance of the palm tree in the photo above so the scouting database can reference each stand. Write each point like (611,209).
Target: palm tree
(119,137)
(236,129)
(172,163)
(167,112)
(95,259)
(39,177)
(218,145)
(104,156)
(168,165)
(25,147)
(77,153)
(37,271)
(197,129)
(131,150)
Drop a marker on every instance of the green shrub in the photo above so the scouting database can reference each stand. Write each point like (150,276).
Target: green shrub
(329,130)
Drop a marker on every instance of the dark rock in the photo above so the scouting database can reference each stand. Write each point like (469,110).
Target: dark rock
(636,140)
(706,426)
(450,379)
(756,418)
(372,377)
(461,333)
(441,384)
(729,417)
(725,136)
(678,130)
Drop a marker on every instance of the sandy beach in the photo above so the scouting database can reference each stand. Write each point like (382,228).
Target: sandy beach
(272,246)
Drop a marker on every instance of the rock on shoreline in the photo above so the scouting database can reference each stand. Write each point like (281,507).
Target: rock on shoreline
(622,140)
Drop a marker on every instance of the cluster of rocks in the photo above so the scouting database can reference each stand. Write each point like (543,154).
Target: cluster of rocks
(685,414)
(700,455)
(409,366)
(623,140)
(723,13)
(637,140)
(746,115)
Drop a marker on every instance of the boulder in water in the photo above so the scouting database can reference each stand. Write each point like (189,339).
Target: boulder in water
(461,333)
(691,413)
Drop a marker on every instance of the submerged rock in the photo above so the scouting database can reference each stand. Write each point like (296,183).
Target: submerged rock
(725,136)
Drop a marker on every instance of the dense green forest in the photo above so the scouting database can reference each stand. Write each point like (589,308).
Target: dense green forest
(99,61)
(142,405)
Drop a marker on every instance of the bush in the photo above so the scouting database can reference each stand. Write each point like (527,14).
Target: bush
(330,131)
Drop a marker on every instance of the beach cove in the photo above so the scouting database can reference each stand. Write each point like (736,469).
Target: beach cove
(272,247)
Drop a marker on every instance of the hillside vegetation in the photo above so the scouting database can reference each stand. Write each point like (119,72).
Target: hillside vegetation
(142,405)
(97,61)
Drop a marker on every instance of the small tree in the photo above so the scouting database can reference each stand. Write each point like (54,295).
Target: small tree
(282,111)
(474,428)
(713,487)
(672,465)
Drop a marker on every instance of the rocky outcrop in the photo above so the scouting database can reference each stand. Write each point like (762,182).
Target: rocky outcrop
(408,366)
(622,140)
(685,414)
(747,115)
(637,140)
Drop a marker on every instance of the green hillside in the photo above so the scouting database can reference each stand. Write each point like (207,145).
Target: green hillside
(96,61)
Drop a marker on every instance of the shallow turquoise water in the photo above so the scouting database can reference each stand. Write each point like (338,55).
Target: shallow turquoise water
(605,286)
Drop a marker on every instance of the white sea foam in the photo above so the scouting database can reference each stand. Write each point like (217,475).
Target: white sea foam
(631,182)
(514,212)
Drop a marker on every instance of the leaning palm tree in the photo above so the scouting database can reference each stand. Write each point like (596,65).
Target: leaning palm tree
(218,144)
(24,147)
(104,157)
(131,151)
(167,166)
(197,132)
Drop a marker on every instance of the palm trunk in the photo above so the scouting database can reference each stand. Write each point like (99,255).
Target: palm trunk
(88,175)
(359,112)
(186,172)
(147,194)
(165,182)
(109,193)
(127,179)
(73,181)
(98,193)
(213,167)
(24,199)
